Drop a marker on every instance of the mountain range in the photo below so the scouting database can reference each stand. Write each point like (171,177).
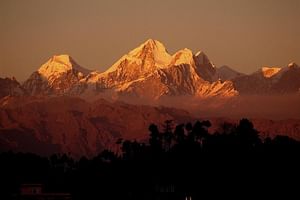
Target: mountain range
(61,107)
(149,71)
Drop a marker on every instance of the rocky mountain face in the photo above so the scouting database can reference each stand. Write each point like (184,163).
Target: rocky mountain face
(226,73)
(10,86)
(270,80)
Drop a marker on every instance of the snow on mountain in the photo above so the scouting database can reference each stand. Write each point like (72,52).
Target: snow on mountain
(150,71)
(268,72)
(60,64)
(184,56)
(217,89)
(293,65)
(137,64)
(147,57)
(287,80)
(57,76)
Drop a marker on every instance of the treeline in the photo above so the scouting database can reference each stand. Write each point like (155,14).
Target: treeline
(176,163)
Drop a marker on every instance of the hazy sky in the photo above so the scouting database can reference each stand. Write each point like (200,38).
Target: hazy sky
(244,34)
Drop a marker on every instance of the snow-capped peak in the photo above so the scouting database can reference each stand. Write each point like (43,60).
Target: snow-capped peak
(184,56)
(60,64)
(153,44)
(152,51)
(152,48)
(292,64)
(268,72)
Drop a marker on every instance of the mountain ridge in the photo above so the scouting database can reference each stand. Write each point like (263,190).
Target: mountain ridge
(65,124)
(150,71)
(270,80)
(151,66)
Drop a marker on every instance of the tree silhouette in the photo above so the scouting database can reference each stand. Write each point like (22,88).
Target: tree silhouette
(192,162)
(179,133)
(155,138)
(168,135)
(246,133)
(200,130)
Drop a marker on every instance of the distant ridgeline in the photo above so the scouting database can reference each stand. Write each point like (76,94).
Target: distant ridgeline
(182,162)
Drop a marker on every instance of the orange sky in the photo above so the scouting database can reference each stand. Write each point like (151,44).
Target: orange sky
(243,34)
